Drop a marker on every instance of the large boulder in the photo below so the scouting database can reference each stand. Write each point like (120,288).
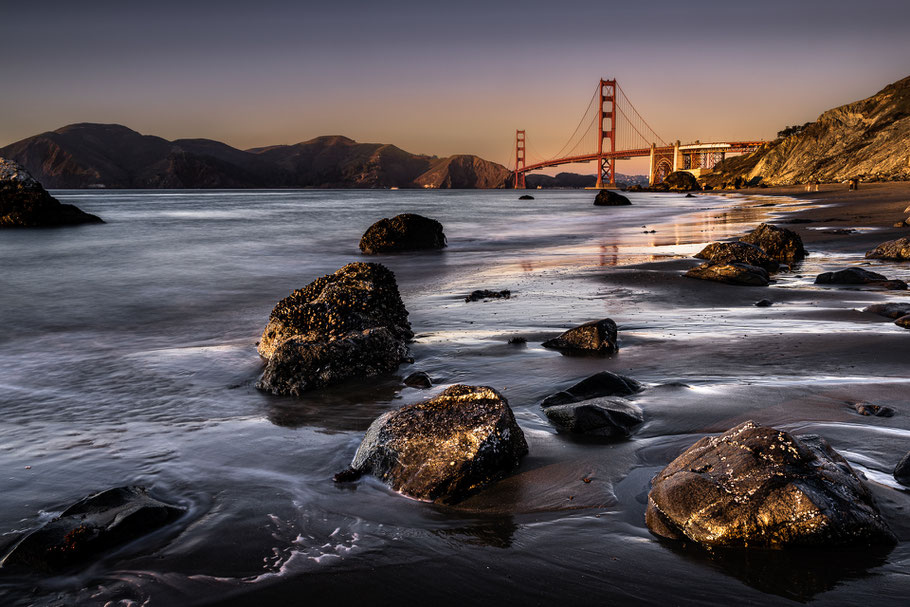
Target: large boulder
(734,273)
(598,385)
(609,198)
(406,232)
(25,204)
(780,244)
(758,486)
(442,449)
(859,276)
(348,324)
(604,417)
(596,337)
(742,252)
(681,181)
(895,250)
(893,310)
(92,525)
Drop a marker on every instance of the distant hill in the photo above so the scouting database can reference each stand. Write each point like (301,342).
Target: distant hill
(114,156)
(869,139)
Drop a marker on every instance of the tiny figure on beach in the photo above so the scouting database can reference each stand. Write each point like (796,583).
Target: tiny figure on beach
(853,184)
(812,186)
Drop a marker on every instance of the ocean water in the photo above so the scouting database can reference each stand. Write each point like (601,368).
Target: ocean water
(127,356)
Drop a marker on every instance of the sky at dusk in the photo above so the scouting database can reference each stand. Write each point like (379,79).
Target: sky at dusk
(440,78)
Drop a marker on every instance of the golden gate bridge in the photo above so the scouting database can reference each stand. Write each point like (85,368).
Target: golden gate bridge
(611,129)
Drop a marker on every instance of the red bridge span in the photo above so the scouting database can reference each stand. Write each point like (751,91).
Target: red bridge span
(611,129)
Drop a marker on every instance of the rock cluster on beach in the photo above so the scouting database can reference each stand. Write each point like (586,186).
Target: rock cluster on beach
(758,486)
(25,204)
(751,260)
(594,406)
(348,324)
(442,449)
(405,232)
(92,525)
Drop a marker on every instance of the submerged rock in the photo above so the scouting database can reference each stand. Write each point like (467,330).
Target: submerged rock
(348,324)
(418,379)
(606,417)
(406,232)
(780,244)
(895,250)
(758,486)
(902,470)
(24,203)
(597,336)
(600,384)
(681,181)
(858,276)
(741,252)
(734,273)
(892,310)
(92,525)
(487,294)
(609,198)
(442,449)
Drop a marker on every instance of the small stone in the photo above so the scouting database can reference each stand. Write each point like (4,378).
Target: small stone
(418,379)
(486,294)
(764,303)
(525,197)
(518,341)
(869,409)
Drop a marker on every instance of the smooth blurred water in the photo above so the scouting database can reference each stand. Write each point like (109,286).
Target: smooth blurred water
(127,355)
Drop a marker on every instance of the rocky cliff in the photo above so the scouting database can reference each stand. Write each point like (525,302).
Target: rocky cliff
(114,156)
(868,139)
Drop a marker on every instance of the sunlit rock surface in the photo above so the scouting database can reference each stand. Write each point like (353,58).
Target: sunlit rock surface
(742,252)
(442,449)
(348,324)
(895,250)
(595,337)
(758,486)
(779,244)
(734,273)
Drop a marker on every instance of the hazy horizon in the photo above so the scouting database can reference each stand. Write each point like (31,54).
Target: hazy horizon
(441,80)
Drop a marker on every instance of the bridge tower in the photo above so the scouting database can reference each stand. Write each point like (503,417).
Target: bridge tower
(519,181)
(606,174)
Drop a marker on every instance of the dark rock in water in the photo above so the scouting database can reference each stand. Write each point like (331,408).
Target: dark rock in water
(895,250)
(597,336)
(485,294)
(607,417)
(609,198)
(780,244)
(689,196)
(525,197)
(859,276)
(761,487)
(92,525)
(889,310)
(742,252)
(300,363)
(681,181)
(735,273)
(902,470)
(634,188)
(764,303)
(518,341)
(358,307)
(903,321)
(406,232)
(25,204)
(442,449)
(869,409)
(598,385)
(418,379)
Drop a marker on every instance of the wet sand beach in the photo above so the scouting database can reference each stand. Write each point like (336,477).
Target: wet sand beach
(140,367)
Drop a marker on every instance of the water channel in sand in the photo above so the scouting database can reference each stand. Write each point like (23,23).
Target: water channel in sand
(128,357)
